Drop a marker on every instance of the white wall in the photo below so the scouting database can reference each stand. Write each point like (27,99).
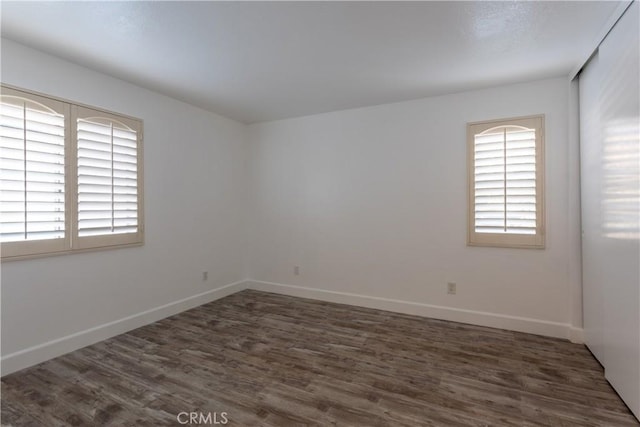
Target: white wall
(372,202)
(195,183)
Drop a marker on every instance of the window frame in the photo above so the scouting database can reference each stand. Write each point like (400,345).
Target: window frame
(72,243)
(508,240)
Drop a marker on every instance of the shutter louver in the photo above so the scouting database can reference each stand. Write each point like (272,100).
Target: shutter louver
(505,181)
(107,178)
(32,183)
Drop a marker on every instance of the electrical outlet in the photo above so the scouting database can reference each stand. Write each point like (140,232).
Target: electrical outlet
(296,270)
(205,276)
(451,288)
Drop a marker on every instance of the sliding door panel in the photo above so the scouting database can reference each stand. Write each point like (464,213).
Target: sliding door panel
(590,184)
(610,156)
(620,201)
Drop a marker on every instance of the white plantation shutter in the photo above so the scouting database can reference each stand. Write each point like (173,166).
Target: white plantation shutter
(70,177)
(32,174)
(108,199)
(506,183)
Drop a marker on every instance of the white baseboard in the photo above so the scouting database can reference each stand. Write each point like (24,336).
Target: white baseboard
(576,335)
(480,318)
(31,356)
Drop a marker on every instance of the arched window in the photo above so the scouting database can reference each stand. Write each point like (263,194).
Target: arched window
(70,177)
(506,183)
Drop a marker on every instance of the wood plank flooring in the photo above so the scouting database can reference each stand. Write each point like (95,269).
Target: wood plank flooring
(272,360)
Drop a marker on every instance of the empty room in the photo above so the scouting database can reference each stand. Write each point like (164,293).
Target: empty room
(320,213)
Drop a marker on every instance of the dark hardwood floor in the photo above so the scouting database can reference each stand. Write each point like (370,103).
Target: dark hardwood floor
(266,359)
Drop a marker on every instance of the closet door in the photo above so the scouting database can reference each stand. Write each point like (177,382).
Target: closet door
(590,184)
(610,171)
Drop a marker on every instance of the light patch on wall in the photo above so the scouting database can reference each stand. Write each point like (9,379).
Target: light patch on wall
(621,180)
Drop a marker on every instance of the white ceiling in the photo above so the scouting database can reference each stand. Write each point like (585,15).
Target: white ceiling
(257,61)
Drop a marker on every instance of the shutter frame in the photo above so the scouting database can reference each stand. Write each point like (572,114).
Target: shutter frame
(107,239)
(505,239)
(27,248)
